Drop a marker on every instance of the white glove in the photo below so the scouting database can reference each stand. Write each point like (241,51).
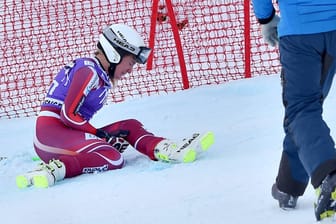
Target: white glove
(270,31)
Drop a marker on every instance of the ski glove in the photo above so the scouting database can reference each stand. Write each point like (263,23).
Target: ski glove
(270,31)
(119,144)
(115,138)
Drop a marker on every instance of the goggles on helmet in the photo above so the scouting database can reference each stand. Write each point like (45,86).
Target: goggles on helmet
(141,53)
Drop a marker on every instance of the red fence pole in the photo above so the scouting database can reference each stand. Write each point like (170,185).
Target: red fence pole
(178,44)
(152,33)
(247,39)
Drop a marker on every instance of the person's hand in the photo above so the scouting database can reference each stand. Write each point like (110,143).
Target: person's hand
(115,138)
(104,135)
(119,143)
(270,31)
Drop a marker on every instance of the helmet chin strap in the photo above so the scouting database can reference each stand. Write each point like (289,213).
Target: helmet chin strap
(112,67)
(111,70)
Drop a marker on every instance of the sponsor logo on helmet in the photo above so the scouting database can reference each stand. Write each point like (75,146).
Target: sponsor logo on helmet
(124,44)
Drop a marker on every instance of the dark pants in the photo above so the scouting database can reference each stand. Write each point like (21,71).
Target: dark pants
(308,67)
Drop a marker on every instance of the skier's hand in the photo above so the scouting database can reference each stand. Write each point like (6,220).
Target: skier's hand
(119,144)
(104,135)
(115,138)
(270,31)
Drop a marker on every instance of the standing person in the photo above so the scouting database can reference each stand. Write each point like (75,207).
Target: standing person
(65,140)
(307,44)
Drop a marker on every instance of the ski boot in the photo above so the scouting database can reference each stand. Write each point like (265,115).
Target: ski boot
(325,205)
(286,201)
(45,175)
(184,151)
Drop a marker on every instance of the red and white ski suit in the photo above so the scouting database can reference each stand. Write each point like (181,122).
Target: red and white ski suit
(63,130)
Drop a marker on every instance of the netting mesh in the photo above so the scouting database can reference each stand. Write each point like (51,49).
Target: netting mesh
(39,37)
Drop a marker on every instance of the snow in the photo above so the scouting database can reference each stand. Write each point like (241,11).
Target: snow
(228,184)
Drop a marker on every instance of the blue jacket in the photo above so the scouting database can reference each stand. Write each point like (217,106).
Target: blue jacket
(299,16)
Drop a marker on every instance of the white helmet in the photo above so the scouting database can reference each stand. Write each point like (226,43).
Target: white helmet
(118,39)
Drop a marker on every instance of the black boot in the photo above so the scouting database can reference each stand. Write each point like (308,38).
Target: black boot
(326,199)
(286,201)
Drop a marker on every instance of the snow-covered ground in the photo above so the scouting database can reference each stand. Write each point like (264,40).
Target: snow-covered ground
(228,184)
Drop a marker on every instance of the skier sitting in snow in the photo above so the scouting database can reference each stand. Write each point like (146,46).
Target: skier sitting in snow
(65,140)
